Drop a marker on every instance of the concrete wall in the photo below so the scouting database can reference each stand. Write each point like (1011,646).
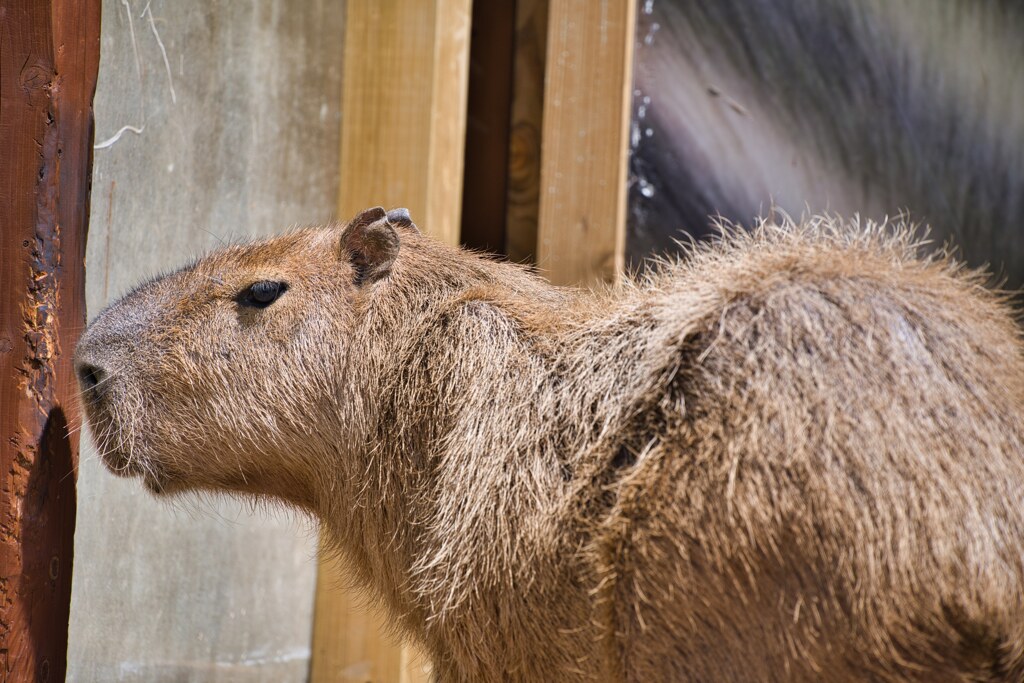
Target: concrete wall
(238,108)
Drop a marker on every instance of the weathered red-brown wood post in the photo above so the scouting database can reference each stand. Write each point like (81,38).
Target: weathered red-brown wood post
(49,56)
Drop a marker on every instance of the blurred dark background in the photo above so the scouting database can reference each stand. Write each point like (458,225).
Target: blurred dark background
(851,106)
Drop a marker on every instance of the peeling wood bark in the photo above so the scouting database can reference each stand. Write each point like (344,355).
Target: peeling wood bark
(49,56)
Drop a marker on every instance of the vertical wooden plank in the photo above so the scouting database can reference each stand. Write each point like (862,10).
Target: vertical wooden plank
(447,134)
(404,109)
(403,127)
(484,196)
(415,666)
(49,56)
(585,140)
(523,201)
(349,640)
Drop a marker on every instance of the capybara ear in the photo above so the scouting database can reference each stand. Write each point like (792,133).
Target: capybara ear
(401,217)
(371,244)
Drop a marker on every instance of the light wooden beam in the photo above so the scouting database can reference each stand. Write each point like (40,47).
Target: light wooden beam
(403,127)
(585,142)
(404,109)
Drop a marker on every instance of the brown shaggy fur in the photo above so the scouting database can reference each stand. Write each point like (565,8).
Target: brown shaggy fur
(796,455)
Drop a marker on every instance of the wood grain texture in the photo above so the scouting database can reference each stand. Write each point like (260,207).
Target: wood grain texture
(447,134)
(350,640)
(353,641)
(523,199)
(403,128)
(49,57)
(585,140)
(404,109)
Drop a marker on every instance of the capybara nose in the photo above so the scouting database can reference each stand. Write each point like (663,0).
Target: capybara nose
(91,377)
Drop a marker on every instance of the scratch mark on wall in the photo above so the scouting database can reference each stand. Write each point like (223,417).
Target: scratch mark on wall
(163,52)
(138,72)
(106,246)
(135,43)
(117,136)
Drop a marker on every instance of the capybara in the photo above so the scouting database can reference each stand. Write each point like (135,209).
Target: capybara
(795,454)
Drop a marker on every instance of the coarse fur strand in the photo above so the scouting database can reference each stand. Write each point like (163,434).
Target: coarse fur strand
(794,454)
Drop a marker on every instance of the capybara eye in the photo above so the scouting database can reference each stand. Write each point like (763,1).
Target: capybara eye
(262,293)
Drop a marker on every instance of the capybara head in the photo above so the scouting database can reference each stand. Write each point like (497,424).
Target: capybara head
(201,378)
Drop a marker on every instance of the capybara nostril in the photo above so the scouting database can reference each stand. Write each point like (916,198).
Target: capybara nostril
(90,377)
